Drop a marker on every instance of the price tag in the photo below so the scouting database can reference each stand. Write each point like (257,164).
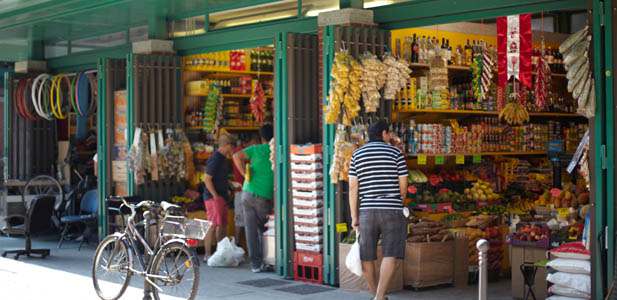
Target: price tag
(555,192)
(477,159)
(439,159)
(341,227)
(409,228)
(460,159)
(421,159)
(563,212)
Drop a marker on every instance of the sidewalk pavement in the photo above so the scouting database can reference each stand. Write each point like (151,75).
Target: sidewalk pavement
(65,274)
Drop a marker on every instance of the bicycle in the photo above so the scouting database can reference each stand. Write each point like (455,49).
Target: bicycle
(173,263)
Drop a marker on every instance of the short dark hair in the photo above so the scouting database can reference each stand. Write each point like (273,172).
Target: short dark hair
(376,129)
(266,132)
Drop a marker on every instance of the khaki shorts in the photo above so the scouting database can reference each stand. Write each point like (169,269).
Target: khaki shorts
(390,225)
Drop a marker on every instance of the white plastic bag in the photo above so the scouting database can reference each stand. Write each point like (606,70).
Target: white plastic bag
(353,261)
(574,266)
(227,254)
(580,282)
(568,292)
(557,297)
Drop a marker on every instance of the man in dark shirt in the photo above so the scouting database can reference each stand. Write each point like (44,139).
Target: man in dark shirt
(378,178)
(216,194)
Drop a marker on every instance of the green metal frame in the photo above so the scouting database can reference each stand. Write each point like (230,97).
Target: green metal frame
(610,142)
(130,117)
(283,249)
(8,95)
(330,239)
(247,36)
(101,145)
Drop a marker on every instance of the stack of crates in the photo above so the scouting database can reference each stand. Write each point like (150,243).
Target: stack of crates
(307,198)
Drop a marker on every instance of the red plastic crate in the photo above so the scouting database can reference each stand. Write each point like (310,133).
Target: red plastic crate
(308,267)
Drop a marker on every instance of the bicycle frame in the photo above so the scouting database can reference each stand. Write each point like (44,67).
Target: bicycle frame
(131,236)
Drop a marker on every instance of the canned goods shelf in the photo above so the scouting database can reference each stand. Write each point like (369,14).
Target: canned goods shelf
(514,153)
(484,112)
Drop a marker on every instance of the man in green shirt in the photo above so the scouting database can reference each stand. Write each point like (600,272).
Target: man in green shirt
(255,166)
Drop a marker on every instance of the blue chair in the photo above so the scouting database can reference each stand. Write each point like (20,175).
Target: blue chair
(88,214)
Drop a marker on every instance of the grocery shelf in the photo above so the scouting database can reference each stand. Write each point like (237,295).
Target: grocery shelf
(487,113)
(231,72)
(228,128)
(240,96)
(459,68)
(513,153)
(419,66)
(240,128)
(427,66)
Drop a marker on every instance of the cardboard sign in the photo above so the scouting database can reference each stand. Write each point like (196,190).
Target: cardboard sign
(439,159)
(421,159)
(477,159)
(341,227)
(460,159)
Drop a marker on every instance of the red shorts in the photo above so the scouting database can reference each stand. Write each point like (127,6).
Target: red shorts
(216,209)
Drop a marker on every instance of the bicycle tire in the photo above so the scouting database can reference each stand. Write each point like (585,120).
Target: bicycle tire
(159,259)
(99,250)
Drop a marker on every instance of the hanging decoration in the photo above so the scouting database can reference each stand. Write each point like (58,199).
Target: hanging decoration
(543,80)
(343,149)
(258,103)
(476,79)
(575,51)
(488,67)
(373,79)
(514,47)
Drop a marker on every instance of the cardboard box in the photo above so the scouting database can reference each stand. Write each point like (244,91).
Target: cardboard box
(519,255)
(349,281)
(429,264)
(461,262)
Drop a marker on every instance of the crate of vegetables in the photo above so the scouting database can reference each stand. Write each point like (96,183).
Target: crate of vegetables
(530,235)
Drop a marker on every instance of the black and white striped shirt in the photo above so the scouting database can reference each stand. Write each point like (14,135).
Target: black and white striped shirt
(378,167)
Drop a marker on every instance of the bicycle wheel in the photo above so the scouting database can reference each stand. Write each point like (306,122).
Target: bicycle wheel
(110,270)
(177,271)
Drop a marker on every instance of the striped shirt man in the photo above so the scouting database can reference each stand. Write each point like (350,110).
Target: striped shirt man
(378,167)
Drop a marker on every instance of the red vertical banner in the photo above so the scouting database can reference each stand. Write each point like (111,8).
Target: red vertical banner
(502,39)
(526,48)
(514,47)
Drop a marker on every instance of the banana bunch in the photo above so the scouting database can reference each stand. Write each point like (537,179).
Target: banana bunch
(514,113)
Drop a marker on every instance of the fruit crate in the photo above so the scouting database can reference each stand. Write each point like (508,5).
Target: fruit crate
(308,267)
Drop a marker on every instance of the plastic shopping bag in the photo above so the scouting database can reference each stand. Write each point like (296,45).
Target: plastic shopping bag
(227,254)
(352,261)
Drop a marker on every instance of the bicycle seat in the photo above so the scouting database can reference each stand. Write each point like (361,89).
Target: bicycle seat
(166,206)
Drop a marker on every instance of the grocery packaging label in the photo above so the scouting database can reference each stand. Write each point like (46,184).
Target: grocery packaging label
(341,227)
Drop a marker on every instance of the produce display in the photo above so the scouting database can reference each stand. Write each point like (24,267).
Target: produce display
(428,231)
(481,191)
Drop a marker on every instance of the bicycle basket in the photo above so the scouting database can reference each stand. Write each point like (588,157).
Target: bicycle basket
(185,228)
(196,228)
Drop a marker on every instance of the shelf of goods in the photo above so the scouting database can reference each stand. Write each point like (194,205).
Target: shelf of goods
(307,199)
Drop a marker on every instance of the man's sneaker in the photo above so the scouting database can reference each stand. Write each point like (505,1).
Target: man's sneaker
(256,270)
(267,268)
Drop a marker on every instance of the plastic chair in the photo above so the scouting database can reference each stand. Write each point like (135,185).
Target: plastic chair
(88,214)
(36,220)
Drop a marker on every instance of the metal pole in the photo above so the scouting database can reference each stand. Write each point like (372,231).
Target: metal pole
(482,246)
